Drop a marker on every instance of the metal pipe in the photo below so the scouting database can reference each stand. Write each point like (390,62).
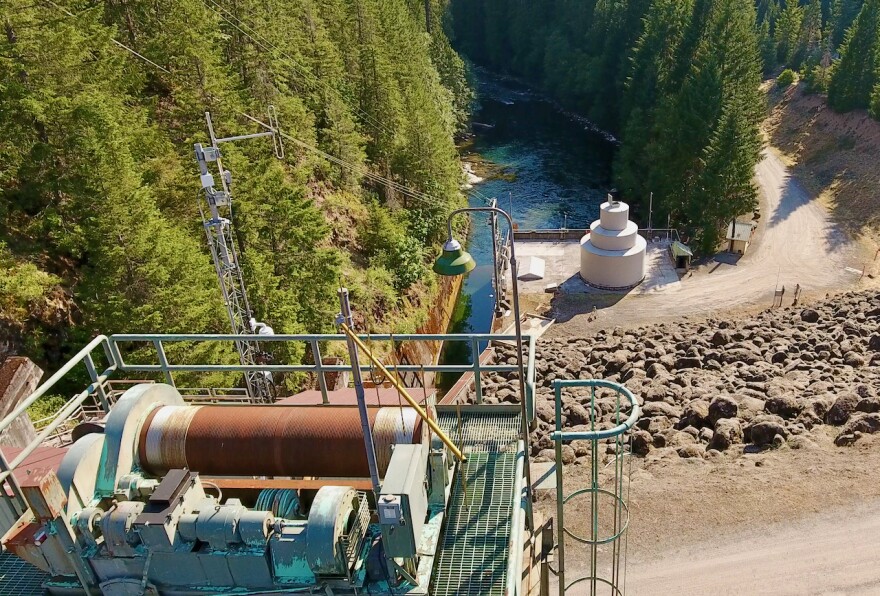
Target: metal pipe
(514,565)
(319,370)
(143,337)
(594,435)
(345,320)
(526,421)
(397,385)
(278,440)
(255,135)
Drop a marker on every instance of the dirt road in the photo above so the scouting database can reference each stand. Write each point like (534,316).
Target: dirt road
(795,243)
(781,522)
(829,555)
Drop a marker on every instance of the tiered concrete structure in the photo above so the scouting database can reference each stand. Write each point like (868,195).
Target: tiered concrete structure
(613,253)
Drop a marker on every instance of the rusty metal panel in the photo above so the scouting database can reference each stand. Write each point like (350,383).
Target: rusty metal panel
(43,492)
(24,540)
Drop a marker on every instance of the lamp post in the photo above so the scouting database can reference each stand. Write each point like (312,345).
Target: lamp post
(456,261)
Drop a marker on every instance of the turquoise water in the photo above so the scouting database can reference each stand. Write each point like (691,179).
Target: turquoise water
(551,169)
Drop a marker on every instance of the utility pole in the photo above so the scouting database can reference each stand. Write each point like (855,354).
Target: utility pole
(650,212)
(221,241)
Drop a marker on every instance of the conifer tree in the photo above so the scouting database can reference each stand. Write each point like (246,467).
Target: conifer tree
(854,74)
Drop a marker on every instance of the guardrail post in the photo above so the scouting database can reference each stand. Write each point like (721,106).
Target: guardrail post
(99,387)
(163,361)
(319,368)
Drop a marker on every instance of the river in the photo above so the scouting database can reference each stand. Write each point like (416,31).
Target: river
(547,168)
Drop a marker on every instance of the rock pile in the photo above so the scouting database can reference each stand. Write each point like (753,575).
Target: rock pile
(710,386)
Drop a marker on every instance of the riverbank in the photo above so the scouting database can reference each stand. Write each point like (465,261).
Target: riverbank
(545,167)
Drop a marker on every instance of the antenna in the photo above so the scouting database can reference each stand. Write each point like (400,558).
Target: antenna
(217,221)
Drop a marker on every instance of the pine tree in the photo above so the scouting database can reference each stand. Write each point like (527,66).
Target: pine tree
(653,59)
(854,74)
(843,14)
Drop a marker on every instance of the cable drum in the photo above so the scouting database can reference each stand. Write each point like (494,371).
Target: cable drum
(393,426)
(320,441)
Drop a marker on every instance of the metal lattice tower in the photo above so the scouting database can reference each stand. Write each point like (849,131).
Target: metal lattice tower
(217,221)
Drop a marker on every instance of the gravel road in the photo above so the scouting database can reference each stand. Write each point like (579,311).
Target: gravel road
(795,243)
(830,555)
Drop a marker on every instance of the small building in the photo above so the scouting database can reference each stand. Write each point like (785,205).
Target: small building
(681,255)
(739,235)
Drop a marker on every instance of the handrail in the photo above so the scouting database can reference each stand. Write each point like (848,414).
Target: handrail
(50,382)
(593,435)
(114,347)
(403,392)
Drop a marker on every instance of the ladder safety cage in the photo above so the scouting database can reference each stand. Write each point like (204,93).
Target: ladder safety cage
(603,502)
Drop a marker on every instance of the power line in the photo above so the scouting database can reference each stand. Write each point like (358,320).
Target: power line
(393,185)
(118,43)
(300,69)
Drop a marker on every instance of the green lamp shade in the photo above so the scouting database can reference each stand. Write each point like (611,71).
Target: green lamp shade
(454,260)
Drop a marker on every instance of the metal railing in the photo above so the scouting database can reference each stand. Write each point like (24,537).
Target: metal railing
(97,399)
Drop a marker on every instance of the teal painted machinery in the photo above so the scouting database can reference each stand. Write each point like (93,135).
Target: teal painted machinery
(108,523)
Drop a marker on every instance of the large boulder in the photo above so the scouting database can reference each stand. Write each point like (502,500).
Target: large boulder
(854,359)
(763,429)
(617,360)
(692,451)
(785,406)
(688,362)
(720,338)
(696,414)
(642,442)
(577,414)
(863,423)
(660,408)
(545,411)
(722,407)
(808,315)
(869,405)
(728,431)
(843,407)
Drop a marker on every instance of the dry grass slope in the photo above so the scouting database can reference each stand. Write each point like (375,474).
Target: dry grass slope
(834,156)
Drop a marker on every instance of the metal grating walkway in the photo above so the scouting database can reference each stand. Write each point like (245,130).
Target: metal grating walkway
(18,578)
(489,432)
(475,548)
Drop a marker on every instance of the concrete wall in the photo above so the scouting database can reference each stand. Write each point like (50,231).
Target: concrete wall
(739,246)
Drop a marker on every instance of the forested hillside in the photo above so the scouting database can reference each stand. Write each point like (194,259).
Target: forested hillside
(831,44)
(99,189)
(676,80)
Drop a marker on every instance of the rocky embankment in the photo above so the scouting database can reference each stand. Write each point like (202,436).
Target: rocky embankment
(713,386)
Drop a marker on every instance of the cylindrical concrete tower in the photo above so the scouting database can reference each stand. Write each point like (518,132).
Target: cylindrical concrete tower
(613,253)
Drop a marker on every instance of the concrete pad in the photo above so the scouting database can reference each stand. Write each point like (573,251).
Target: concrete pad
(532,324)
(562,267)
